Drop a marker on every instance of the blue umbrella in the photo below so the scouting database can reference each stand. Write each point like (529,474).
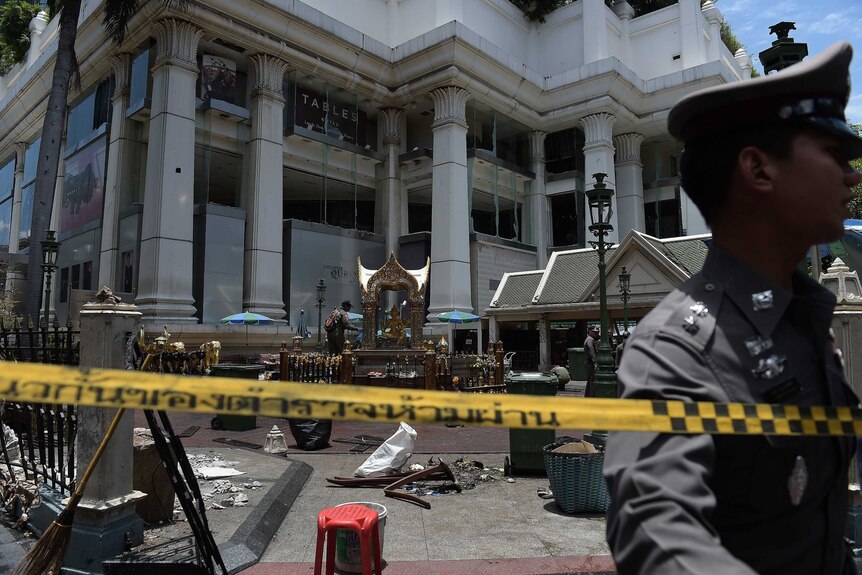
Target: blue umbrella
(246,318)
(457,317)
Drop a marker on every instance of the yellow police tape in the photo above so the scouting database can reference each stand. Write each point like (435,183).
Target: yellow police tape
(22,382)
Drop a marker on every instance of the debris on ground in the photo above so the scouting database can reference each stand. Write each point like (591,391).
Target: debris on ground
(545,492)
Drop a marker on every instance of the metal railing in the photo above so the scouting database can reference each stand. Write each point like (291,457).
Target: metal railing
(45,448)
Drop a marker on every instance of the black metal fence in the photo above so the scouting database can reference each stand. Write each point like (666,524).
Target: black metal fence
(45,450)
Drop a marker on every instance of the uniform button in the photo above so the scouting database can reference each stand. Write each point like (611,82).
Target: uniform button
(709,286)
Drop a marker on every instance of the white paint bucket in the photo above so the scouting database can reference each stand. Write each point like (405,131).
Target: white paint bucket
(348,556)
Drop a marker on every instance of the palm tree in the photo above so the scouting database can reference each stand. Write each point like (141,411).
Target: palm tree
(117,16)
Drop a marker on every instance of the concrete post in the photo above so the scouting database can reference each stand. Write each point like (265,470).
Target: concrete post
(625,12)
(630,183)
(105,519)
(262,291)
(847,329)
(390,120)
(117,149)
(493,334)
(599,158)
(537,200)
(165,278)
(691,33)
(450,250)
(713,17)
(595,30)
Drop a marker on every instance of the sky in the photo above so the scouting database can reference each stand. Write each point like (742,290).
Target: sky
(819,23)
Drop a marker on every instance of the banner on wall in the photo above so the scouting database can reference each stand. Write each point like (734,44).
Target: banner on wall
(83,186)
(321,113)
(218,79)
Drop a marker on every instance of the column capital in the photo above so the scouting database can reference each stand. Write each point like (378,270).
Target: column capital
(391,119)
(120,64)
(598,128)
(537,145)
(20,149)
(177,43)
(628,147)
(450,106)
(268,76)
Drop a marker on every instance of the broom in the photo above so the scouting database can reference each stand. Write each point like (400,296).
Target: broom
(45,557)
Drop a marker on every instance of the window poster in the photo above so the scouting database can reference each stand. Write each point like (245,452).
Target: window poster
(83,186)
(218,79)
(323,113)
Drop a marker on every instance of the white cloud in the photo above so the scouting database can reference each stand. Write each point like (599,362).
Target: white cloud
(737,7)
(837,23)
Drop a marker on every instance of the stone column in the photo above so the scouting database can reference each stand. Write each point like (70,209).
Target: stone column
(544,343)
(14,280)
(17,192)
(450,238)
(713,18)
(106,514)
(493,333)
(599,158)
(630,183)
(165,278)
(390,121)
(537,200)
(118,147)
(262,290)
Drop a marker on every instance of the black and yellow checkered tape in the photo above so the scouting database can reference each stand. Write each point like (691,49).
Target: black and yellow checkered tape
(22,382)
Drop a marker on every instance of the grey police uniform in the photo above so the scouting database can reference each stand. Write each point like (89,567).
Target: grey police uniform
(721,503)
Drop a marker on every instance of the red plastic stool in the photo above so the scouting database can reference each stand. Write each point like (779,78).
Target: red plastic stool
(357,518)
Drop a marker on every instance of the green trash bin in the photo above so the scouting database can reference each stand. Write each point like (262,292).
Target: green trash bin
(525,445)
(235,422)
(577,365)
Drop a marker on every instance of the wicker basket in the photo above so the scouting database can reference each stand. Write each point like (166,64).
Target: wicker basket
(576,480)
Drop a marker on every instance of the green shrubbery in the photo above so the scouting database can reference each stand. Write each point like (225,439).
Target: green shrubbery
(15,16)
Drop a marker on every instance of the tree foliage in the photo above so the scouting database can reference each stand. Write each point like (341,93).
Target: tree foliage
(15,16)
(856,202)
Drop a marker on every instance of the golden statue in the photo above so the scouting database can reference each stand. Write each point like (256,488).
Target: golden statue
(393,329)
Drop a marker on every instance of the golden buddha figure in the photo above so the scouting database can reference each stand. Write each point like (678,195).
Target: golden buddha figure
(393,329)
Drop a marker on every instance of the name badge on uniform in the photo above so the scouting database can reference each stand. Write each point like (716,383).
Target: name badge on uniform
(798,480)
(782,391)
(769,367)
(762,300)
(757,345)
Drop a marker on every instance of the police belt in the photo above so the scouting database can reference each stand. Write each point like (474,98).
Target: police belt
(36,383)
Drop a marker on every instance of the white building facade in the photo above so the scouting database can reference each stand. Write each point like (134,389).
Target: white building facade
(229,155)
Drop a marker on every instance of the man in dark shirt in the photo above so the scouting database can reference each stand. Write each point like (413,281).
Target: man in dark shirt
(766,162)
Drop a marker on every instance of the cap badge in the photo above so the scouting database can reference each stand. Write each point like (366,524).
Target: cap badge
(757,345)
(699,309)
(798,480)
(762,300)
(689,324)
(769,367)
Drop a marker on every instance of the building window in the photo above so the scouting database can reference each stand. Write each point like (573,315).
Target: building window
(322,108)
(564,151)
(87,275)
(7,187)
(662,218)
(218,177)
(64,285)
(75,283)
(31,157)
(419,212)
(140,81)
(320,199)
(128,271)
(89,114)
(564,219)
(494,132)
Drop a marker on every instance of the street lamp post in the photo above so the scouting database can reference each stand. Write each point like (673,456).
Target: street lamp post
(50,247)
(601,210)
(625,292)
(321,301)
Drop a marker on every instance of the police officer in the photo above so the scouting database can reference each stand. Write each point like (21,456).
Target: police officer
(766,162)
